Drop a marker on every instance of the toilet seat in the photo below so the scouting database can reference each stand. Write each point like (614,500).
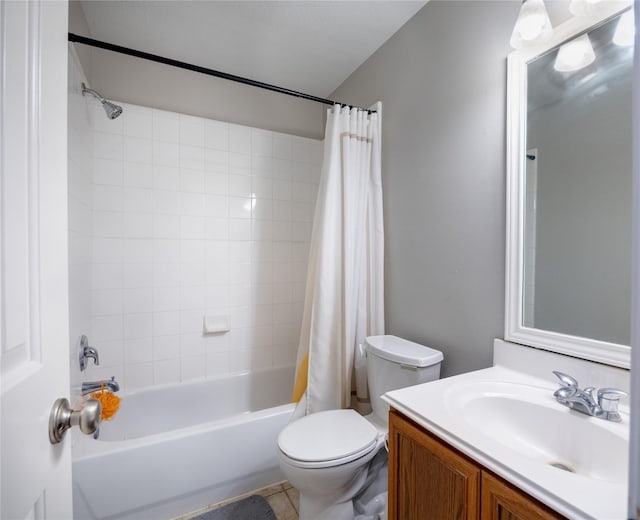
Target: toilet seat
(327,439)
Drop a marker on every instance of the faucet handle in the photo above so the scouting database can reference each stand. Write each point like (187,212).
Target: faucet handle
(566,379)
(608,398)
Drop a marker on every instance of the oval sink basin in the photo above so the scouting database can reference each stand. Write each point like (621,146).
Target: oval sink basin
(528,420)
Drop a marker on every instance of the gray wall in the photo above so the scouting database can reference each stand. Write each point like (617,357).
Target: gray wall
(140,82)
(442,81)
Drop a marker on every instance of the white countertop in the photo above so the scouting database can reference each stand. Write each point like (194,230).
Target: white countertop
(436,407)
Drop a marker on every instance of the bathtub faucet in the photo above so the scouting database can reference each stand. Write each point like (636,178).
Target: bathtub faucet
(94,386)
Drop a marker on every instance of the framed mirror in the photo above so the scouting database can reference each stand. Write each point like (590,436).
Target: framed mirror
(569,174)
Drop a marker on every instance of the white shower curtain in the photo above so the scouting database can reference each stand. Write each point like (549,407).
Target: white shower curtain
(344,293)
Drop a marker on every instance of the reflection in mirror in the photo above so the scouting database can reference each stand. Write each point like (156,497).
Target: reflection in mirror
(577,211)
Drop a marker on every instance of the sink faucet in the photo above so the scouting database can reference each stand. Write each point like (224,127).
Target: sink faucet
(602,403)
(94,386)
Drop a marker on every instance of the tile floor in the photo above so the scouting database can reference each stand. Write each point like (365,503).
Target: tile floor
(282,497)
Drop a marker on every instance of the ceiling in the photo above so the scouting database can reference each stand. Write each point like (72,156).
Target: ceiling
(309,46)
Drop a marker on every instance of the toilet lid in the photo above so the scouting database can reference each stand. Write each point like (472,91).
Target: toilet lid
(328,436)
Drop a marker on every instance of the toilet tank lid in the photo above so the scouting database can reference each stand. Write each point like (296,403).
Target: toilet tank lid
(400,350)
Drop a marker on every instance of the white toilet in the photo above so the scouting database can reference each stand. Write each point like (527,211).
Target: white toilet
(325,455)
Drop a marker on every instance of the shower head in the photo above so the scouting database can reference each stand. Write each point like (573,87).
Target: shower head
(111,109)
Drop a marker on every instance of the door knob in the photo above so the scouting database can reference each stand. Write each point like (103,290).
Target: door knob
(62,417)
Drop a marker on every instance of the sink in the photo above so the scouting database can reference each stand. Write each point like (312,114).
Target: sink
(528,420)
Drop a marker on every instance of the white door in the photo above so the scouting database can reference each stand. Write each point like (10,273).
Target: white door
(35,476)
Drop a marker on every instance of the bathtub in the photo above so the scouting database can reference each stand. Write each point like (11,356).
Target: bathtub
(176,448)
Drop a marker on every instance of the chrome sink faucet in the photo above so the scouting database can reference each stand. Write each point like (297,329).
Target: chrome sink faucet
(602,403)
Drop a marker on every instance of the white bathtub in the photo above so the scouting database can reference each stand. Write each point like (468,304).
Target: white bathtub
(176,448)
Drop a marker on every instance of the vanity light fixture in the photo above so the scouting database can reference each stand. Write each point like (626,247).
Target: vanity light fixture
(625,30)
(575,55)
(532,26)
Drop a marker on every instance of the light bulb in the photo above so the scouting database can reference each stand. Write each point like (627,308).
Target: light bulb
(532,26)
(625,30)
(583,7)
(575,55)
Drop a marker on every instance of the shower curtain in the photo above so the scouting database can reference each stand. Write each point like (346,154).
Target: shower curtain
(344,292)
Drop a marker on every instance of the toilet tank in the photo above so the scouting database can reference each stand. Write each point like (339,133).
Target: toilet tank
(394,363)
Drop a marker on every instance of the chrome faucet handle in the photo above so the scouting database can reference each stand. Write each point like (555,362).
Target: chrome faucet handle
(87,352)
(566,379)
(608,399)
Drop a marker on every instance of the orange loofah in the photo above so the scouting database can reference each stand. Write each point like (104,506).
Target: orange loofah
(110,403)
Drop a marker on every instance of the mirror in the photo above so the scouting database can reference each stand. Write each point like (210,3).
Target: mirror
(569,192)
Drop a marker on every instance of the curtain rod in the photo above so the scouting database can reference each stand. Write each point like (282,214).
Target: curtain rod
(203,70)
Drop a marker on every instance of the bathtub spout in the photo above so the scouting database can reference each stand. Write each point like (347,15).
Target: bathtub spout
(95,386)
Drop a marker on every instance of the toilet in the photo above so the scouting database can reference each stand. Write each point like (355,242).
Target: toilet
(326,455)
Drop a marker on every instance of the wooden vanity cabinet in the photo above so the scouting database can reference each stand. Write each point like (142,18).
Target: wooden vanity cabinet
(430,480)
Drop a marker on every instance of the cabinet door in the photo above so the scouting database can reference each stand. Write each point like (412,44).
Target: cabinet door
(501,501)
(427,479)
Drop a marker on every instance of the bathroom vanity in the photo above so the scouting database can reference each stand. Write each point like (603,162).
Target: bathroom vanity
(428,478)
(497,444)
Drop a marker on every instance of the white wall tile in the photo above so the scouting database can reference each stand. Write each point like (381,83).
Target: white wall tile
(191,131)
(166,323)
(192,180)
(107,224)
(166,347)
(216,183)
(107,171)
(138,150)
(166,274)
(166,298)
(240,186)
(137,275)
(165,201)
(192,228)
(166,154)
(191,157)
(166,177)
(166,226)
(138,251)
(137,300)
(106,328)
(240,139)
(191,321)
(138,375)
(192,344)
(281,146)
(106,301)
(239,229)
(240,162)
(216,135)
(138,175)
(138,350)
(137,124)
(192,251)
(193,368)
(107,198)
(137,200)
(108,146)
(165,129)
(261,142)
(137,325)
(108,250)
(192,204)
(216,228)
(189,216)
(106,276)
(240,207)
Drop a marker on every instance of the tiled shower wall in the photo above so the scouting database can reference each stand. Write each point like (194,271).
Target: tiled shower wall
(80,161)
(193,216)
